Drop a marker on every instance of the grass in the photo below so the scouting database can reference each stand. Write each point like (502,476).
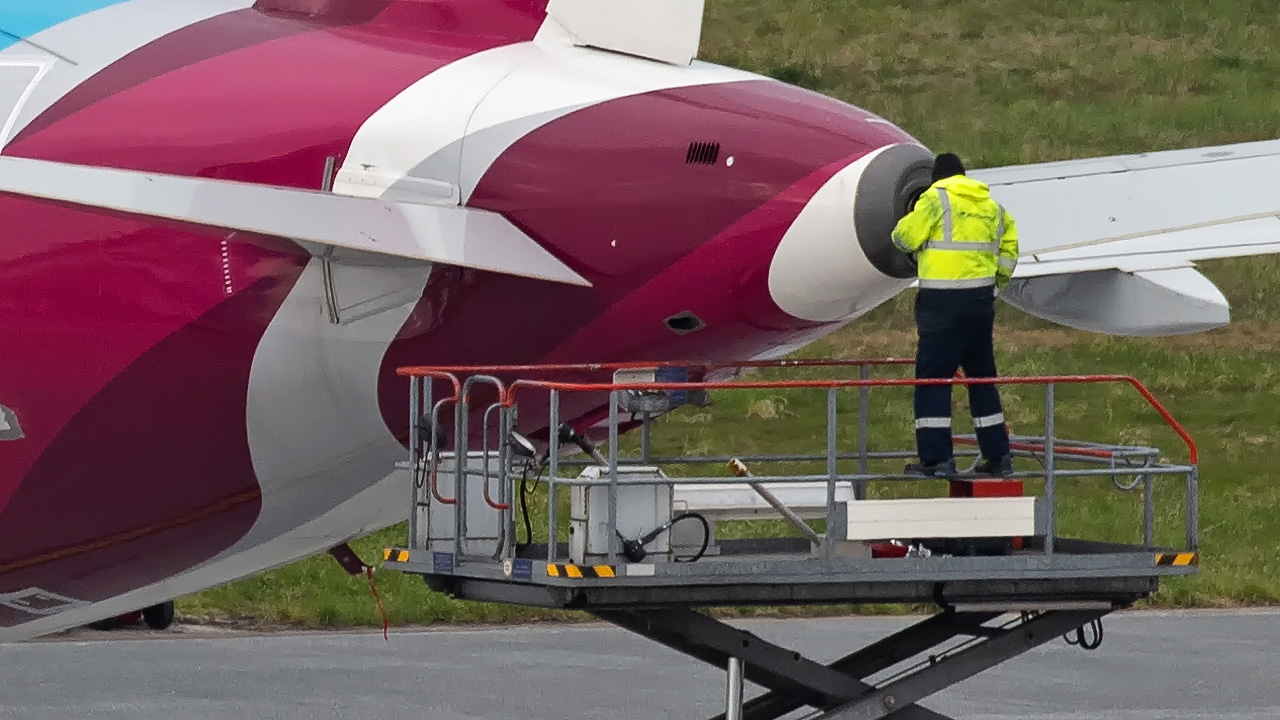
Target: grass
(1019,81)
(1000,82)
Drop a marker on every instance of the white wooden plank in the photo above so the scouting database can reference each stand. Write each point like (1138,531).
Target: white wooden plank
(942,518)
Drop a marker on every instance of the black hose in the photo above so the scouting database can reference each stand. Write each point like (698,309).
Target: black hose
(524,507)
(1081,638)
(525,492)
(706,535)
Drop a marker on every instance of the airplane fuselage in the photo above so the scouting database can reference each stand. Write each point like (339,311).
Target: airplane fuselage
(189,406)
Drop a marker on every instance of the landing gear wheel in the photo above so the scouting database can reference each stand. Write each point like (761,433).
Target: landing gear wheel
(159,617)
(110,623)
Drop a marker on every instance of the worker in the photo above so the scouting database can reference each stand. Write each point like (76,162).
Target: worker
(966,247)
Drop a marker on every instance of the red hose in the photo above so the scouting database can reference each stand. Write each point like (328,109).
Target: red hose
(386,622)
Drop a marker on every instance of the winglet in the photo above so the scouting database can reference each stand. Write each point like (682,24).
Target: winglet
(669,31)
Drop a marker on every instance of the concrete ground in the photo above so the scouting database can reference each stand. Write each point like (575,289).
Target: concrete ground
(1151,666)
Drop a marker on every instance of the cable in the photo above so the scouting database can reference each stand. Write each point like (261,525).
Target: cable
(1081,637)
(633,550)
(524,506)
(706,535)
(525,492)
(1137,479)
(419,470)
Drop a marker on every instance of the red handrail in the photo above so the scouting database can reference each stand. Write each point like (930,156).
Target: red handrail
(439,370)
(440,374)
(835,384)
(1057,449)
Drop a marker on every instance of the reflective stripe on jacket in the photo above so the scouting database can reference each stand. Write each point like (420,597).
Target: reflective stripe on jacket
(960,236)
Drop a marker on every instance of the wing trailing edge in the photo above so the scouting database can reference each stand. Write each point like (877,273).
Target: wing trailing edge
(1109,244)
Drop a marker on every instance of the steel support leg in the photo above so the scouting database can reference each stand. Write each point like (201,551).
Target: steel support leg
(793,680)
(839,689)
(888,700)
(714,642)
(733,696)
(876,657)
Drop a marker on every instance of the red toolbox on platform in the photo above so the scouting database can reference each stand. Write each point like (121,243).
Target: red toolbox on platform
(986,487)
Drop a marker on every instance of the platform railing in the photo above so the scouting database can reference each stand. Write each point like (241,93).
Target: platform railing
(425,461)
(424,416)
(1115,461)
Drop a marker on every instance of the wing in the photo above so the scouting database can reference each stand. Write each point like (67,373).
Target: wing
(376,230)
(1109,244)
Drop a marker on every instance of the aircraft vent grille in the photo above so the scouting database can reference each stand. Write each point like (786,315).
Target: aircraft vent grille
(703,153)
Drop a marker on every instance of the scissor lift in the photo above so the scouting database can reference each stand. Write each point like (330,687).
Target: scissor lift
(1004,582)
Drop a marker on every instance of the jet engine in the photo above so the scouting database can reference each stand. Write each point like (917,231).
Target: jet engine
(837,261)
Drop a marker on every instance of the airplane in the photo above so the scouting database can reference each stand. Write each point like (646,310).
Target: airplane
(225,223)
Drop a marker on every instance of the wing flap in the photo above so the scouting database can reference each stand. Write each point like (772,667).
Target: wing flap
(1147,304)
(444,234)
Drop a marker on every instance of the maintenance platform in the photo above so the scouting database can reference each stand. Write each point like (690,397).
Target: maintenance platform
(620,538)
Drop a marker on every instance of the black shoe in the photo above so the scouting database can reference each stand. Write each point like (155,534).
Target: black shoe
(944,469)
(999,468)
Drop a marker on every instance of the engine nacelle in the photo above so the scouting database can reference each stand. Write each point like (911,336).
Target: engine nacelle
(837,261)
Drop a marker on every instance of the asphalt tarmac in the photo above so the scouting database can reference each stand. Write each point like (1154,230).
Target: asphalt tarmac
(1151,666)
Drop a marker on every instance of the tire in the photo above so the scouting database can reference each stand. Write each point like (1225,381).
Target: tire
(110,623)
(159,617)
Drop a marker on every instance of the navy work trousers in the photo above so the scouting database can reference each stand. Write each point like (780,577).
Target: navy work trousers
(955,330)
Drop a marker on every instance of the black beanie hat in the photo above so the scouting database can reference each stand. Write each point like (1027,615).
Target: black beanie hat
(947,165)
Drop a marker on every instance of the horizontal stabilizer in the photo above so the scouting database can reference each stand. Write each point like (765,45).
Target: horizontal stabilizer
(669,31)
(444,234)
(1151,303)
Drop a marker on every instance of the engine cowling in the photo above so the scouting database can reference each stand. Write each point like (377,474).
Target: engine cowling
(837,261)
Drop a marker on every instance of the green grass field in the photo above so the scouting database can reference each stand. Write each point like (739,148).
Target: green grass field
(1000,82)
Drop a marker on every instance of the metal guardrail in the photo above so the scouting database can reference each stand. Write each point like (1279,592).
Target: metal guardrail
(1140,464)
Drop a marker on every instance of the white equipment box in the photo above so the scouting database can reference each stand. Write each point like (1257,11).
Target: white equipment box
(484,523)
(641,508)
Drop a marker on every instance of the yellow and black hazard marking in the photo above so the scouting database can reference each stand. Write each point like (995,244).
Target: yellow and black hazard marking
(581,571)
(395,555)
(1178,559)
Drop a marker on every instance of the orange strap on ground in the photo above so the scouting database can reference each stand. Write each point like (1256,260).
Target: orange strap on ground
(386,622)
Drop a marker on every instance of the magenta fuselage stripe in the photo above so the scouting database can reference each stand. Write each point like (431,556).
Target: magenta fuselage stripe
(188,46)
(385,21)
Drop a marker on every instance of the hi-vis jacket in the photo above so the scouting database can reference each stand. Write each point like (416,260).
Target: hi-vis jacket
(960,236)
